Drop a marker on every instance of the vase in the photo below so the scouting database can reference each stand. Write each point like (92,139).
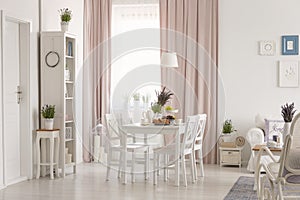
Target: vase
(157,115)
(48,123)
(64,26)
(67,75)
(286,130)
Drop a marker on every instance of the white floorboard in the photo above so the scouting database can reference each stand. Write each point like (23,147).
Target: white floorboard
(89,184)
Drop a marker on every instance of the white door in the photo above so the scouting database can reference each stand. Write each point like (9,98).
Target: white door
(11,106)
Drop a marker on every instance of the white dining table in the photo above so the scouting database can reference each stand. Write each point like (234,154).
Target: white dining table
(135,129)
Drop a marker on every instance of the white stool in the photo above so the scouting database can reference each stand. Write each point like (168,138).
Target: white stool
(51,135)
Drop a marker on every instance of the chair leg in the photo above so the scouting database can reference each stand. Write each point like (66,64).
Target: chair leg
(195,164)
(155,168)
(192,165)
(133,167)
(120,164)
(184,171)
(108,164)
(146,166)
(201,163)
(165,167)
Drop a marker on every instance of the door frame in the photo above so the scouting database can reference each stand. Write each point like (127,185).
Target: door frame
(25,114)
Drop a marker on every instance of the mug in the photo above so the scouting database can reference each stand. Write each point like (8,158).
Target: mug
(178,121)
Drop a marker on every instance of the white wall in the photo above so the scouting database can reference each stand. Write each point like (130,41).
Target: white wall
(250,80)
(51,22)
(27,10)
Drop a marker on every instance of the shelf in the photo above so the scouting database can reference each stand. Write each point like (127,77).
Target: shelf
(65,95)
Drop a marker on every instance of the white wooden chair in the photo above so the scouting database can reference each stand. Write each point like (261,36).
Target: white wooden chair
(286,171)
(114,142)
(198,145)
(254,137)
(189,132)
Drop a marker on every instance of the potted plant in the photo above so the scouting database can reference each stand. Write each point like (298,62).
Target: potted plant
(287,112)
(136,100)
(228,127)
(65,17)
(163,97)
(48,112)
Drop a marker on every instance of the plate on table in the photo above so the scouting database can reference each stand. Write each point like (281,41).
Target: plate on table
(162,124)
(145,124)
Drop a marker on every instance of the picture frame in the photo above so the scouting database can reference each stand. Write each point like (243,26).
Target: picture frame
(267,48)
(288,73)
(290,44)
(273,128)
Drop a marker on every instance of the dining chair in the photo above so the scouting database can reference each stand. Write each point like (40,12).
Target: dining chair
(283,172)
(197,149)
(189,132)
(114,141)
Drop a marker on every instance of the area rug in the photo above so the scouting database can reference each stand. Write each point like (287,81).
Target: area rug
(242,189)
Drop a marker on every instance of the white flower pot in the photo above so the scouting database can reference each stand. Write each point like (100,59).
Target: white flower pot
(286,130)
(64,26)
(48,124)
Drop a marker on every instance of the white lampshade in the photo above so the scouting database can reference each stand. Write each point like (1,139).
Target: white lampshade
(169,59)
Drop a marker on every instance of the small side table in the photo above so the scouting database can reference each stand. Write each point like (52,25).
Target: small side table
(51,135)
(231,156)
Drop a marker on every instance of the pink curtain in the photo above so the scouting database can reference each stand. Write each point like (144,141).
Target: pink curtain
(189,28)
(96,69)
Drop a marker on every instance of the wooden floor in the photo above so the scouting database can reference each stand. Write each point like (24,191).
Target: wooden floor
(89,183)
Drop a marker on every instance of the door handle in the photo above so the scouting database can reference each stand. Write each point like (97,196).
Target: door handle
(19,93)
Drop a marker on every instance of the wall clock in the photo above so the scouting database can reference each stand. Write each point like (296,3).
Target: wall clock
(267,48)
(52,59)
(240,141)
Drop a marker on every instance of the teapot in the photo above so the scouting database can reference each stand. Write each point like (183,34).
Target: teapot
(148,115)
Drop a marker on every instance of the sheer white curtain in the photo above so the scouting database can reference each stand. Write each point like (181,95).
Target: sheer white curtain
(136,70)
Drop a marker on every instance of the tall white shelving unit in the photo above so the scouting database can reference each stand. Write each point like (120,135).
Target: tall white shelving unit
(58,53)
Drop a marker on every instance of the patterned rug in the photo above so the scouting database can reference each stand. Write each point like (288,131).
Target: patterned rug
(242,189)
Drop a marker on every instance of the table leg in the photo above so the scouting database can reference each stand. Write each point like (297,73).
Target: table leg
(38,162)
(51,157)
(57,156)
(146,157)
(177,163)
(44,155)
(124,158)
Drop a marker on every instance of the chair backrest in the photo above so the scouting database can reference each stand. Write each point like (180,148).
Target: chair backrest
(112,127)
(290,157)
(255,136)
(190,133)
(201,127)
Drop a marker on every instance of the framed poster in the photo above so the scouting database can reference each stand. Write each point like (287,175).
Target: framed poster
(273,129)
(267,48)
(290,45)
(288,73)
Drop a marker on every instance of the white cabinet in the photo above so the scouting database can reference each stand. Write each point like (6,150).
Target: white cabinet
(58,72)
(231,156)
